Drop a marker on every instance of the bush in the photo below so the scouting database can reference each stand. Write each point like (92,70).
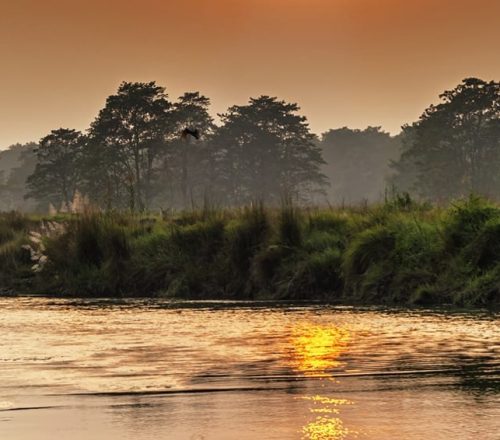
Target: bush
(387,263)
(484,249)
(465,220)
(247,237)
(369,248)
(289,226)
(399,252)
(93,247)
(317,274)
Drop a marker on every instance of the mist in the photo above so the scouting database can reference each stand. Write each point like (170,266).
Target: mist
(146,152)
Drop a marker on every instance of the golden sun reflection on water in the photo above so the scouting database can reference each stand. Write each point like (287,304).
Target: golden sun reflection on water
(316,352)
(316,348)
(325,428)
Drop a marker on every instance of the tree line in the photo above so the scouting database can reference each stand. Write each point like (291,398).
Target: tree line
(134,156)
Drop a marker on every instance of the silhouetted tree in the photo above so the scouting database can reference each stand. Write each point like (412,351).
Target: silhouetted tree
(186,167)
(58,172)
(126,139)
(265,150)
(456,144)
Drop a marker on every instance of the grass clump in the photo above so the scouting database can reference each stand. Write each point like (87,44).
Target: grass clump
(289,225)
(465,220)
(399,252)
(89,257)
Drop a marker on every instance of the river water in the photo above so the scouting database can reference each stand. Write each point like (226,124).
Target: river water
(113,370)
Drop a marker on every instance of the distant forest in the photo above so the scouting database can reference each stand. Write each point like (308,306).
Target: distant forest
(138,155)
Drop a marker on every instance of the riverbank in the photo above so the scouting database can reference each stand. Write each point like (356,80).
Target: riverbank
(400,252)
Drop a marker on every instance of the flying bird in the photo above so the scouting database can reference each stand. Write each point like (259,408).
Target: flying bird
(190,132)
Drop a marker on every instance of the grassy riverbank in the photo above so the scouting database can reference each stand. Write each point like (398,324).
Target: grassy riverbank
(400,252)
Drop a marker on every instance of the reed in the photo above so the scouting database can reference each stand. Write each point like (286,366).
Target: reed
(398,252)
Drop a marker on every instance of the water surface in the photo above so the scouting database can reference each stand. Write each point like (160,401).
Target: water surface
(101,369)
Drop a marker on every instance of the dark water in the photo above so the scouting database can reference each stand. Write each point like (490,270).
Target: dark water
(74,369)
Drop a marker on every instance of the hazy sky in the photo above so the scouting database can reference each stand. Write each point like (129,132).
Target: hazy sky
(346,62)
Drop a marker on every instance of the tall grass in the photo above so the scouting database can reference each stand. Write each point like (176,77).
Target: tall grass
(399,252)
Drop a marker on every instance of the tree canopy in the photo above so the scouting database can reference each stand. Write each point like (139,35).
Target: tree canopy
(266,151)
(127,137)
(58,172)
(455,145)
(144,151)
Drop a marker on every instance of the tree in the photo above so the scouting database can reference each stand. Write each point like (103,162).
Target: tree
(456,144)
(57,173)
(266,151)
(187,166)
(17,163)
(404,173)
(126,139)
(357,163)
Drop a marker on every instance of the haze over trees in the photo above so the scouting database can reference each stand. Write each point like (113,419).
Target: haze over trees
(357,163)
(126,139)
(454,148)
(59,168)
(266,151)
(17,163)
(133,155)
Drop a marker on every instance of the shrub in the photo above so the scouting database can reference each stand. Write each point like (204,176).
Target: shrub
(465,220)
(247,237)
(93,247)
(484,249)
(317,274)
(289,226)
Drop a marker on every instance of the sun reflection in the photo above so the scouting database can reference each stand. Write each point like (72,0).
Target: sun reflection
(327,425)
(325,428)
(317,348)
(316,352)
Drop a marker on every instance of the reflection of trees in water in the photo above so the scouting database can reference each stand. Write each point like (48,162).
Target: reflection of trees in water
(476,375)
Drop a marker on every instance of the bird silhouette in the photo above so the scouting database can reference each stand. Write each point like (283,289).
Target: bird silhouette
(190,132)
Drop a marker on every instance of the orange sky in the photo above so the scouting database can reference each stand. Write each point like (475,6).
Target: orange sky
(346,62)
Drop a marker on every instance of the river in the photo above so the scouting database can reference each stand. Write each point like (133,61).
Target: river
(150,370)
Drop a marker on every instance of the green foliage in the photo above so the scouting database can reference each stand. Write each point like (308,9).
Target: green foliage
(466,219)
(388,262)
(15,262)
(289,225)
(199,240)
(6,233)
(482,291)
(317,274)
(247,237)
(483,251)
(90,257)
(395,253)
(366,261)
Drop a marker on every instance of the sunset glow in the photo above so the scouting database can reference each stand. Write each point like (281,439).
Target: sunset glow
(353,63)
